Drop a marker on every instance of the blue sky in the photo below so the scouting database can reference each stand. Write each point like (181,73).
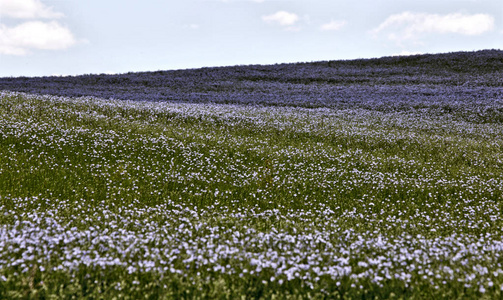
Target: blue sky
(69,37)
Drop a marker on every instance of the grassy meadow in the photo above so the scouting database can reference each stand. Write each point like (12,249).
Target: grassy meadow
(106,199)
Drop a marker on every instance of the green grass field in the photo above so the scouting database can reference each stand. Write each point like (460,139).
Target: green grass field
(132,200)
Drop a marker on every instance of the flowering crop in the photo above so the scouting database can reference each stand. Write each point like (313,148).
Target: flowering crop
(467,83)
(394,190)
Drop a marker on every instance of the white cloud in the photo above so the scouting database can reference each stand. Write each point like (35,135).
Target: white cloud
(410,26)
(333,25)
(34,35)
(27,9)
(282,18)
(192,26)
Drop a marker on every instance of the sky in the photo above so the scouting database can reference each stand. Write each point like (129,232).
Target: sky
(72,37)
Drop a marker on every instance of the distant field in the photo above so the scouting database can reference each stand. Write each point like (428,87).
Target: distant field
(273,187)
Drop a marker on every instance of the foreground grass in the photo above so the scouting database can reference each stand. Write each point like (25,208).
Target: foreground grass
(106,199)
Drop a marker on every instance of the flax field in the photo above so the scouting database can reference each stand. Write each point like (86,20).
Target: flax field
(277,187)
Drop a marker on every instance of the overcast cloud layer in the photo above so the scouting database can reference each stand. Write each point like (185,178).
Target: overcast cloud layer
(43,37)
